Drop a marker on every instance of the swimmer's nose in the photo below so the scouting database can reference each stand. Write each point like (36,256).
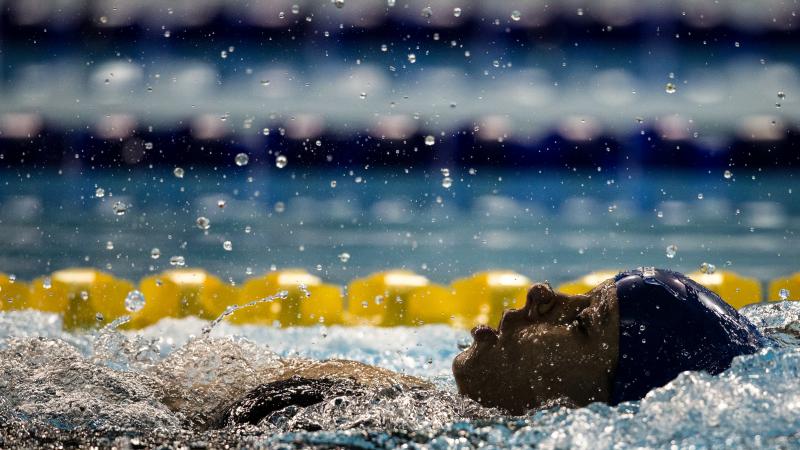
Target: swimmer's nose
(538,303)
(540,299)
(545,305)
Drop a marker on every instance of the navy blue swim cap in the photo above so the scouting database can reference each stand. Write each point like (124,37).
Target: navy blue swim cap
(670,324)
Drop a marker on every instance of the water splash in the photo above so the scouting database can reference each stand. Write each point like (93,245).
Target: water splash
(233,308)
(104,388)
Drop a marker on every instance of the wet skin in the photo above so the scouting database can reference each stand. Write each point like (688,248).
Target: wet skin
(556,349)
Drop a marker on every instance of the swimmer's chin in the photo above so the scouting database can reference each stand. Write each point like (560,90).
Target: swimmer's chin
(461,366)
(470,362)
(461,371)
(484,338)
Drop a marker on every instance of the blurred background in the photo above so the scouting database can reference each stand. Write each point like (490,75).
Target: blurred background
(350,136)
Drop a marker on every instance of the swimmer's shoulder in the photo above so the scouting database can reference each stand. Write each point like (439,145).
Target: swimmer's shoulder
(303,383)
(338,369)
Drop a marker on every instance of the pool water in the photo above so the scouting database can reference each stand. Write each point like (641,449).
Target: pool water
(165,384)
(108,388)
(548,224)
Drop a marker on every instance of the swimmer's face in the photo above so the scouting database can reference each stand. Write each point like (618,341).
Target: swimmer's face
(558,348)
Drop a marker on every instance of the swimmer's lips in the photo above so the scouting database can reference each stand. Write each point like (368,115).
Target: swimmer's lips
(485,333)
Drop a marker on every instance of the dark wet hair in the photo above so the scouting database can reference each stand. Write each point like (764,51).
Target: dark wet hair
(670,324)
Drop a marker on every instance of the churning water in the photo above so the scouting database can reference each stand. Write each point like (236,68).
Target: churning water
(165,385)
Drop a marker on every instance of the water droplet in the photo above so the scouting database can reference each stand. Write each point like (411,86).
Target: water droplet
(338,3)
(84,295)
(221,203)
(120,208)
(427,12)
(344,257)
(178,261)
(99,192)
(727,174)
(99,317)
(227,245)
(47,283)
(649,272)
(430,140)
(242,159)
(672,250)
(660,214)
(148,145)
(384,47)
(333,183)
(447,182)
(391,3)
(604,346)
(707,268)
(265,131)
(783,294)
(579,11)
(281,161)
(457,12)
(155,253)
(109,245)
(295,9)
(203,223)
(781,95)
(134,301)
(178,172)
(670,88)
(516,15)
(412,58)
(700,196)
(167,33)
(103,19)
(362,96)
(12,278)
(280,207)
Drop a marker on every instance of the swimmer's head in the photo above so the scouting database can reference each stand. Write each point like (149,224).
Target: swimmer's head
(558,347)
(626,336)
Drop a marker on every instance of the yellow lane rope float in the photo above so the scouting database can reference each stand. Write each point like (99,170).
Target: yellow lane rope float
(88,298)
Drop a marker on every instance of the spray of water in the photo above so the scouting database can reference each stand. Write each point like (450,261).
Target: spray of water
(233,308)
